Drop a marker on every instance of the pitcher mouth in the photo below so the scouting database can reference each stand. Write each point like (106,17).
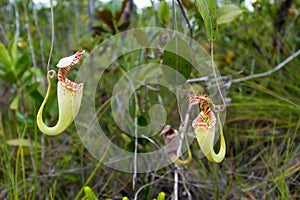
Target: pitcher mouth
(68,84)
(64,66)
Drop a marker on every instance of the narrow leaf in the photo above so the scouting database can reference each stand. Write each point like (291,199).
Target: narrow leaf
(21,142)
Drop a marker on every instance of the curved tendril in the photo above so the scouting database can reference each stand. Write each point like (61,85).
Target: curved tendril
(175,159)
(172,140)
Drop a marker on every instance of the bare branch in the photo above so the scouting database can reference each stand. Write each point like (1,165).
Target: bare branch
(186,18)
(290,58)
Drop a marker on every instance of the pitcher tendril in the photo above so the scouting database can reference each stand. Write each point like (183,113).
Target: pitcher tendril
(205,127)
(69,95)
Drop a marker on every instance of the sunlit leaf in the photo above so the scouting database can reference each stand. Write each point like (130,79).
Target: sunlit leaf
(228,13)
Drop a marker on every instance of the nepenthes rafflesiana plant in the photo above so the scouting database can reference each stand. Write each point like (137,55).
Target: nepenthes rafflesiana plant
(69,95)
(205,129)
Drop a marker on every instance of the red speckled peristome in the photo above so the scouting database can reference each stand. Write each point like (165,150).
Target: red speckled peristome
(206,117)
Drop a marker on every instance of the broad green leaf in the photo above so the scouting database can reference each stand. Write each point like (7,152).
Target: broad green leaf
(5,58)
(21,142)
(178,61)
(90,195)
(207,10)
(228,13)
(163,12)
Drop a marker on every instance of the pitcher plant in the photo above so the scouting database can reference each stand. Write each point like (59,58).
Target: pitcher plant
(69,95)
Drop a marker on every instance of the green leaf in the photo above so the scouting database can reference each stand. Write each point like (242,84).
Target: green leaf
(5,58)
(161,196)
(207,10)
(142,121)
(90,195)
(15,103)
(13,50)
(37,97)
(163,12)
(178,61)
(8,76)
(30,88)
(21,142)
(22,65)
(228,13)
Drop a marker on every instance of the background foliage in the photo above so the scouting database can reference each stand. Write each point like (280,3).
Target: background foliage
(262,123)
